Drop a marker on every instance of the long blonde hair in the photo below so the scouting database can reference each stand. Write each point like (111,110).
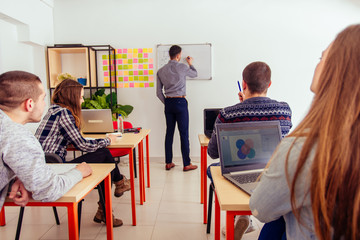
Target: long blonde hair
(334,123)
(67,94)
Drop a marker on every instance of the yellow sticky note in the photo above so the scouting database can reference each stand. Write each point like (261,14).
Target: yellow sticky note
(125,61)
(126,85)
(141,78)
(126,73)
(131,79)
(151,72)
(145,50)
(106,79)
(146,66)
(135,50)
(130,50)
(136,85)
(142,85)
(150,50)
(135,55)
(130,66)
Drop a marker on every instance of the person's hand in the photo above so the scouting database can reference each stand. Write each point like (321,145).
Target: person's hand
(112,137)
(189,60)
(85,169)
(19,194)
(241,96)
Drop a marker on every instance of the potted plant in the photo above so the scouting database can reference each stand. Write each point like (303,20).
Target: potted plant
(101,100)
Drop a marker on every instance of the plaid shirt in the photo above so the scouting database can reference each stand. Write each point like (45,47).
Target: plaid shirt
(57,130)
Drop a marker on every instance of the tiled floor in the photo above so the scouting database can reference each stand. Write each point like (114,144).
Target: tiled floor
(172,211)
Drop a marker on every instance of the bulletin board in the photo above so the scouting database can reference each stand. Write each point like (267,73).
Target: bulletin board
(201,53)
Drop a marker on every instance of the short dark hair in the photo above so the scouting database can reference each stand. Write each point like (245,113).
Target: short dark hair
(174,50)
(257,75)
(16,87)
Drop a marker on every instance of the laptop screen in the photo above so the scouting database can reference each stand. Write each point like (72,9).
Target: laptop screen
(97,121)
(247,145)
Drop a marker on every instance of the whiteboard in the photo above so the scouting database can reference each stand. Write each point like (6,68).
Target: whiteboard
(201,53)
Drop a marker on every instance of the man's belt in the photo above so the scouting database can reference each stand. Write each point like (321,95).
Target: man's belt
(176,97)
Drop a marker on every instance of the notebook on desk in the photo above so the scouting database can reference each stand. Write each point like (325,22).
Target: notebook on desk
(244,149)
(97,121)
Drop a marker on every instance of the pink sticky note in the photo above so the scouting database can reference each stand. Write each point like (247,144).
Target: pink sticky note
(146,84)
(105,62)
(131,85)
(136,73)
(140,50)
(119,50)
(151,66)
(126,79)
(121,73)
(129,55)
(124,50)
(146,72)
(151,78)
(119,61)
(140,66)
(135,60)
(146,55)
(106,74)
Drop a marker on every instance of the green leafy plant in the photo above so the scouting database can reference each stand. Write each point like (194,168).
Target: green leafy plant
(101,100)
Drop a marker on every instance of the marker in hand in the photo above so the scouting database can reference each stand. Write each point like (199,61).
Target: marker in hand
(241,94)
(239,85)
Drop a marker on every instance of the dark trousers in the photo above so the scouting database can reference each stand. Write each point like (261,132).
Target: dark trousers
(176,111)
(274,230)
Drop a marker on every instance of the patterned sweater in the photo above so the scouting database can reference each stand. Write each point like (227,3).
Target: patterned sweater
(253,109)
(23,157)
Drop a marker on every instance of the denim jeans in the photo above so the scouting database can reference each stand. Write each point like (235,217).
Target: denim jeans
(176,111)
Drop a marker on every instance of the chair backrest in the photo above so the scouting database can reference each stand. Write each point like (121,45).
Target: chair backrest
(52,158)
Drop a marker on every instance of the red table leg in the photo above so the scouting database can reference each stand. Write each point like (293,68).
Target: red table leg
(73,225)
(204,180)
(131,166)
(141,172)
(147,160)
(2,217)
(230,216)
(108,208)
(217,218)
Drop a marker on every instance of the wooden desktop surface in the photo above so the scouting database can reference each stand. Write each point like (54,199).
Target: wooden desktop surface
(128,140)
(231,198)
(204,140)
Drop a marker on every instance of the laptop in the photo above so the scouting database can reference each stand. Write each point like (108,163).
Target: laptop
(97,121)
(245,148)
(210,115)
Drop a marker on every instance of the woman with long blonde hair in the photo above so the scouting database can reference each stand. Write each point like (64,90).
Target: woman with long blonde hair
(61,126)
(313,180)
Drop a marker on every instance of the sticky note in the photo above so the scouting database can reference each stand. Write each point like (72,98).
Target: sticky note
(119,61)
(130,61)
(151,84)
(146,60)
(140,50)
(106,74)
(118,55)
(131,73)
(120,67)
(105,62)
(141,60)
(141,78)
(124,56)
(106,79)
(151,72)
(119,50)
(141,72)
(140,55)
(121,73)
(126,79)
(121,79)
(146,78)
(136,85)
(151,66)
(124,50)
(130,55)
(105,68)
(130,66)
(151,60)
(126,73)
(145,50)
(125,61)
(121,85)
(112,67)
(136,73)
(141,85)
(126,85)
(151,78)
(135,50)
(131,79)
(146,72)
(106,84)
(146,84)
(125,67)
(135,66)
(135,55)
(136,78)
(131,85)
(135,60)
(140,66)
(146,55)
(150,50)
(146,66)
(130,50)
(104,56)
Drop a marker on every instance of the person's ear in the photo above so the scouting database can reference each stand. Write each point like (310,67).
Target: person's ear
(29,105)
(244,85)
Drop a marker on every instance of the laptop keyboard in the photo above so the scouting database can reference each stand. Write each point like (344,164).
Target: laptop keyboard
(246,178)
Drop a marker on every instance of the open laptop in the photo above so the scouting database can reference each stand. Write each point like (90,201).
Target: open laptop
(245,148)
(210,115)
(97,121)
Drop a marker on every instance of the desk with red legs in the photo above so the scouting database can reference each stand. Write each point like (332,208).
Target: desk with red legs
(204,141)
(228,198)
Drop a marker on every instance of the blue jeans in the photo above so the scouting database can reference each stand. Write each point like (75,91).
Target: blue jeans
(176,111)
(274,230)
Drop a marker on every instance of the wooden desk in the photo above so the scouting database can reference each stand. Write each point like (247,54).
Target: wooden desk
(75,195)
(204,141)
(229,198)
(128,142)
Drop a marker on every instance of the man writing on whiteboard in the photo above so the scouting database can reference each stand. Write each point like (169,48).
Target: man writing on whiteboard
(171,80)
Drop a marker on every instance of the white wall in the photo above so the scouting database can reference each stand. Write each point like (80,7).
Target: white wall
(23,37)
(288,35)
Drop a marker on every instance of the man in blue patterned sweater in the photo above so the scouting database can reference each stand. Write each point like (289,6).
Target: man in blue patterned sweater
(253,106)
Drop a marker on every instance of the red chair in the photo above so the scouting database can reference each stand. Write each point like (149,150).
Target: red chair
(117,153)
